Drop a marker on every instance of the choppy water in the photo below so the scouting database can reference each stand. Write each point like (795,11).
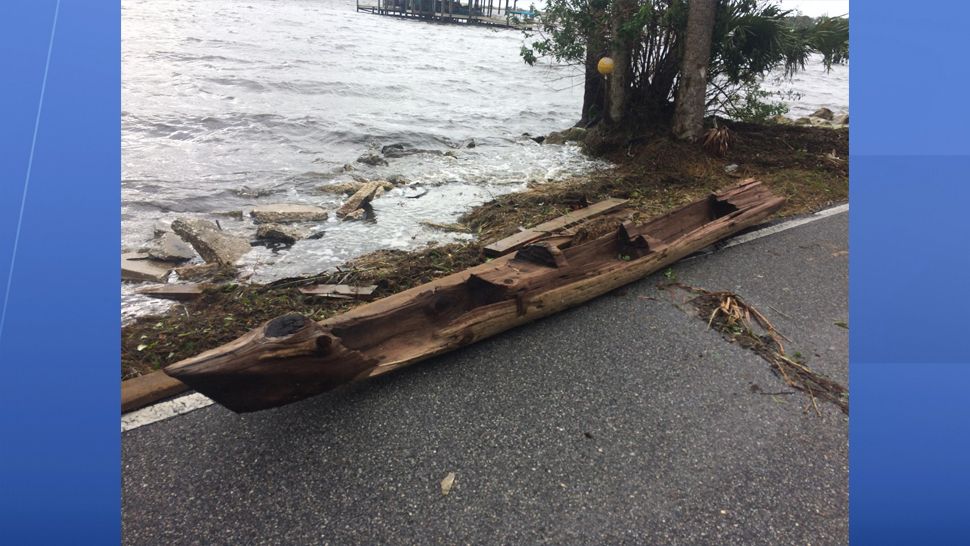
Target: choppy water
(816,88)
(229,104)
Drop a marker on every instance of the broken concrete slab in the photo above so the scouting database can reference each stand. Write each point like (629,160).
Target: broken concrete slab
(358,214)
(573,134)
(211,243)
(286,213)
(161,227)
(823,113)
(345,188)
(280,233)
(350,188)
(169,247)
(137,266)
(364,195)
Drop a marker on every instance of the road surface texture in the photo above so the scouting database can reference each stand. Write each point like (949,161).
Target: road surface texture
(625,420)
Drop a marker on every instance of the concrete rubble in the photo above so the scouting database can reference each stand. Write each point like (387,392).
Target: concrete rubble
(286,213)
(138,266)
(280,233)
(210,242)
(353,208)
(169,247)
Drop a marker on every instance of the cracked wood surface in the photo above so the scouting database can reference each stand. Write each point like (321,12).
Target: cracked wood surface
(292,357)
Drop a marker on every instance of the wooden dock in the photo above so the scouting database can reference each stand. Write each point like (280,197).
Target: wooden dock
(490,13)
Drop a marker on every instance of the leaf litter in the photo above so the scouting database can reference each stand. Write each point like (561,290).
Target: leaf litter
(739,321)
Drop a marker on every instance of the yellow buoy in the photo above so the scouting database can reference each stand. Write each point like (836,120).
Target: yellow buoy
(605,66)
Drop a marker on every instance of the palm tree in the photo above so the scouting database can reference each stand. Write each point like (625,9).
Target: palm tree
(692,88)
(652,42)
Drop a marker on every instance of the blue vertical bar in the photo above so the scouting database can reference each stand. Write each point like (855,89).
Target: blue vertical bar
(59,346)
(909,272)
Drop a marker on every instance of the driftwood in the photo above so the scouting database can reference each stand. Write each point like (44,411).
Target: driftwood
(339,291)
(146,389)
(523,238)
(292,357)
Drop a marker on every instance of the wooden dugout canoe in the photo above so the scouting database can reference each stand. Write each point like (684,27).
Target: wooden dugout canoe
(292,357)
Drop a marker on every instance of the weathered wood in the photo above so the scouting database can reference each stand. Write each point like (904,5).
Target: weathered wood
(299,350)
(339,291)
(363,196)
(178,292)
(291,357)
(146,389)
(514,242)
(543,253)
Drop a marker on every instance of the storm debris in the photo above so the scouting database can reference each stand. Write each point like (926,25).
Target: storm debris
(740,322)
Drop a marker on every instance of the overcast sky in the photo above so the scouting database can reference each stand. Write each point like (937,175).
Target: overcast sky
(814,8)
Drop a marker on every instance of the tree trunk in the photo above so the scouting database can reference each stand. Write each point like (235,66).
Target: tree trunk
(692,88)
(619,90)
(593,90)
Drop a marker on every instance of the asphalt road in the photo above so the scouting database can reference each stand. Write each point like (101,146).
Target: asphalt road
(623,421)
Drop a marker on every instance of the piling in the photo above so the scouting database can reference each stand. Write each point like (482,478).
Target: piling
(488,13)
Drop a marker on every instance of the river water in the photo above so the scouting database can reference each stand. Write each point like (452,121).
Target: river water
(229,104)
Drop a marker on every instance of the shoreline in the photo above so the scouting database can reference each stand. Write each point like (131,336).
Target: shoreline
(806,164)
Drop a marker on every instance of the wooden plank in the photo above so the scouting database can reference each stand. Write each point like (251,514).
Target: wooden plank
(178,292)
(146,389)
(522,238)
(339,291)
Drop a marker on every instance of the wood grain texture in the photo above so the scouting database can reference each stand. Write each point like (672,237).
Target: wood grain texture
(147,389)
(514,242)
(339,291)
(291,357)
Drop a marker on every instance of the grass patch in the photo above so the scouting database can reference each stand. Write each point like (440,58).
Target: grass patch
(658,174)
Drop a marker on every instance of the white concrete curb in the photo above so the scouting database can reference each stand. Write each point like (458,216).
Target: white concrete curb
(778,228)
(164,410)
